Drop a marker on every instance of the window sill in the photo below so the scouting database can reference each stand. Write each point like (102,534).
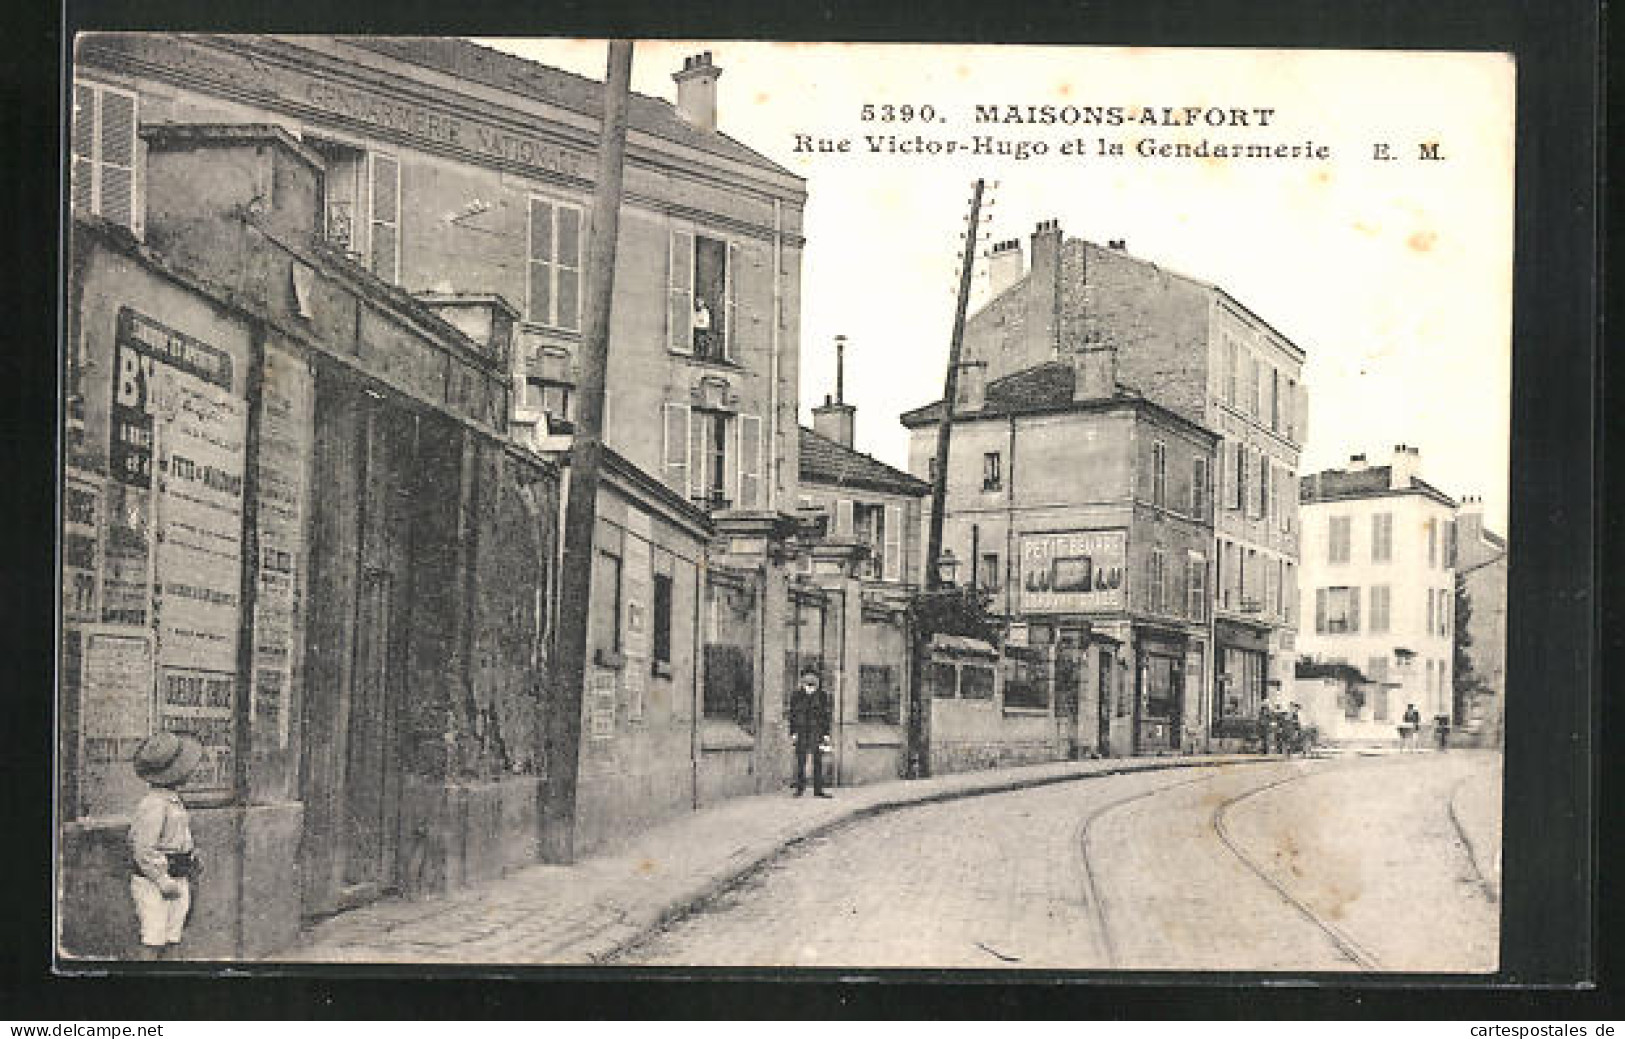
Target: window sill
(660,669)
(708,362)
(549,331)
(1027,712)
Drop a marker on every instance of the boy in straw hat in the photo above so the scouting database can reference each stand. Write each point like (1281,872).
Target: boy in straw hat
(161,843)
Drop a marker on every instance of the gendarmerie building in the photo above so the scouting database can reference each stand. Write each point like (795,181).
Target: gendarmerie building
(1193,348)
(452,169)
(325,299)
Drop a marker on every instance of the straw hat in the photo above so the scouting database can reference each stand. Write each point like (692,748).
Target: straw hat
(167,758)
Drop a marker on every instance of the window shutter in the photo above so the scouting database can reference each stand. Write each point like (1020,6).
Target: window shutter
(1354,610)
(117,142)
(83,146)
(699,444)
(567,260)
(386,182)
(680,282)
(750,461)
(1320,611)
(892,565)
(730,325)
(676,449)
(539,288)
(843,516)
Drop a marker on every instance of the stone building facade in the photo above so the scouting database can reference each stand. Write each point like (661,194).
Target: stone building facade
(1378,582)
(455,170)
(1193,348)
(1481,571)
(1085,512)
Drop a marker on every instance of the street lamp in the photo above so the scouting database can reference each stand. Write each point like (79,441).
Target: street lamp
(947,567)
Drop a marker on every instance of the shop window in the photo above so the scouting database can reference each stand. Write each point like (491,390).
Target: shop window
(879,693)
(553,288)
(702,290)
(976,682)
(103,153)
(992,471)
(942,680)
(1026,679)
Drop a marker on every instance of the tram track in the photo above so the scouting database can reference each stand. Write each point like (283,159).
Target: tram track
(1346,946)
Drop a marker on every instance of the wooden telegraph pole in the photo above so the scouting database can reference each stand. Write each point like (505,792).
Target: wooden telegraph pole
(918,720)
(563,716)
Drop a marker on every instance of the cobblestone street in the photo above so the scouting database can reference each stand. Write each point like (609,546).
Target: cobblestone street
(1240,868)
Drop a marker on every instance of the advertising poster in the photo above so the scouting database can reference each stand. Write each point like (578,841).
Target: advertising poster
(115,715)
(1073,572)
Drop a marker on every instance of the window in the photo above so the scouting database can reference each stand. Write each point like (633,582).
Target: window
(553,291)
(1433,542)
(1337,539)
(1432,609)
(103,153)
(1288,406)
(1380,599)
(606,600)
(662,619)
(1274,510)
(714,457)
(1255,388)
(879,693)
(1199,488)
(1264,482)
(988,572)
(1289,593)
(1337,611)
(1156,572)
(992,471)
(1288,498)
(1449,543)
(1026,678)
(385,210)
(1195,586)
(1159,473)
(1272,585)
(1382,537)
(1444,611)
(1275,399)
(1232,370)
(976,682)
(878,526)
(942,679)
(1241,476)
(703,296)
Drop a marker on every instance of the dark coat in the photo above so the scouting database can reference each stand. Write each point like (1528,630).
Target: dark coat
(810,714)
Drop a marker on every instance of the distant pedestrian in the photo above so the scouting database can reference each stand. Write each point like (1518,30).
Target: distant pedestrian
(1293,739)
(161,843)
(1441,730)
(1409,723)
(1266,722)
(810,712)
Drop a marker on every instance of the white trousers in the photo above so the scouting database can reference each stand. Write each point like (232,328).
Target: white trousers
(162,919)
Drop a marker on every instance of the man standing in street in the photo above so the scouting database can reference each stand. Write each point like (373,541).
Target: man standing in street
(810,711)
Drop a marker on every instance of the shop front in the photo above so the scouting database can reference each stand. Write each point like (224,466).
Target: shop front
(1240,671)
(1159,704)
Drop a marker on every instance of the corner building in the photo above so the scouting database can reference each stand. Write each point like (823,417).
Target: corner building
(455,170)
(1194,349)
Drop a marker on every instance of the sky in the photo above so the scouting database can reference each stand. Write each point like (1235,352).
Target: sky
(1394,276)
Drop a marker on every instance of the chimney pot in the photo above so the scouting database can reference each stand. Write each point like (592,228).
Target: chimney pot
(697,91)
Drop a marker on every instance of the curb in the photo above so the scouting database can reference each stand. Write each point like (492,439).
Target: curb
(616,942)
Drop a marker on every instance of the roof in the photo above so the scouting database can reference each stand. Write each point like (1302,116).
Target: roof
(554,86)
(1371,482)
(1046,387)
(824,461)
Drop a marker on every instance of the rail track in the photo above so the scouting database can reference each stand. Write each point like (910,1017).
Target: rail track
(1346,946)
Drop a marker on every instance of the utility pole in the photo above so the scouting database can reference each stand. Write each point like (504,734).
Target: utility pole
(563,717)
(950,393)
(919,722)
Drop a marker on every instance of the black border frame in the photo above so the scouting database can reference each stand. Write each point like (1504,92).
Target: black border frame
(1552,851)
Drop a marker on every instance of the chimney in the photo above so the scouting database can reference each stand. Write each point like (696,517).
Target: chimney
(1357,464)
(1004,265)
(972,387)
(1118,245)
(835,420)
(1044,292)
(1406,464)
(1094,373)
(204,182)
(697,91)
(484,317)
(1470,529)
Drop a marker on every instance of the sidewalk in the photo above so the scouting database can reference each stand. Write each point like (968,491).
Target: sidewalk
(587,912)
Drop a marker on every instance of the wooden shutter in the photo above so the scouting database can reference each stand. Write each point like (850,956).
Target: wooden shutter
(750,462)
(675,452)
(680,291)
(892,566)
(1354,611)
(82,176)
(116,141)
(385,215)
(730,324)
(1320,610)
